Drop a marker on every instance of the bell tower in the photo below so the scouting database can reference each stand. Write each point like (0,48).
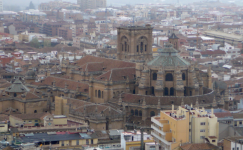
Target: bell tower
(134,43)
(174,40)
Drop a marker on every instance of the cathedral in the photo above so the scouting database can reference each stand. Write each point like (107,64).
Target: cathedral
(134,87)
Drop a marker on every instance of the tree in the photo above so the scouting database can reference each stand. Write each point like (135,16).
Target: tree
(47,43)
(34,43)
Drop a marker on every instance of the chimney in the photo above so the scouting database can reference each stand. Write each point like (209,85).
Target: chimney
(211,111)
(173,108)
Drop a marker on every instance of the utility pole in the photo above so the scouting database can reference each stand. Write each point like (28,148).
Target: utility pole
(142,142)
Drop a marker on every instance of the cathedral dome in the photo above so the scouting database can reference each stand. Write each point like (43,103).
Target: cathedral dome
(168,57)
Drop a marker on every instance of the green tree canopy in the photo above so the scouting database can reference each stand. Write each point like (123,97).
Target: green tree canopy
(34,43)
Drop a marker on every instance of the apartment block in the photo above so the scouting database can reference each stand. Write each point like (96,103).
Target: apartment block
(91,4)
(184,125)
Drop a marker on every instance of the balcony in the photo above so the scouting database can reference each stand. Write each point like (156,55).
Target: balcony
(157,129)
(160,138)
(156,121)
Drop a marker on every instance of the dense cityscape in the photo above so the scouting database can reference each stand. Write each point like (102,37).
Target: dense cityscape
(89,75)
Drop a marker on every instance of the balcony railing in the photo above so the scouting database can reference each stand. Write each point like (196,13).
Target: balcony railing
(157,129)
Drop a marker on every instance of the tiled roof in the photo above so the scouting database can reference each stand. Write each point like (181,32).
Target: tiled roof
(199,146)
(216,52)
(119,74)
(168,57)
(30,116)
(28,96)
(91,108)
(237,115)
(107,64)
(17,87)
(60,83)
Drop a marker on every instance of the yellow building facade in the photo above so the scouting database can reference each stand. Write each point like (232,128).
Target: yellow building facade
(184,125)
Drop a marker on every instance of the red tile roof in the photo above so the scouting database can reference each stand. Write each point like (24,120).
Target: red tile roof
(119,74)
(106,64)
(60,83)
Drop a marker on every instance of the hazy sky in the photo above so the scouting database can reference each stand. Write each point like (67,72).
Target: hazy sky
(24,3)
(113,2)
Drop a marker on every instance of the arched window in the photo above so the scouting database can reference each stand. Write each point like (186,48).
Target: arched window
(102,94)
(183,76)
(152,90)
(99,94)
(95,93)
(155,76)
(171,91)
(140,113)
(136,112)
(169,77)
(166,93)
(35,111)
(132,112)
(152,113)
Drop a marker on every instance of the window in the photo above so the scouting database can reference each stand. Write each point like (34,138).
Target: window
(99,94)
(132,112)
(171,91)
(36,120)
(213,140)
(62,143)
(137,48)
(183,76)
(145,48)
(169,77)
(30,121)
(154,76)
(202,137)
(152,90)
(87,142)
(152,113)
(202,123)
(140,113)
(125,46)
(35,111)
(166,91)
(184,91)
(92,142)
(202,130)
(141,47)
(136,112)
(77,142)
